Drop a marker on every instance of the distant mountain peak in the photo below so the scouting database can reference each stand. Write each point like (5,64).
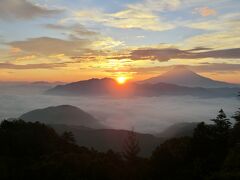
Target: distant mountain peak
(182,76)
(180,70)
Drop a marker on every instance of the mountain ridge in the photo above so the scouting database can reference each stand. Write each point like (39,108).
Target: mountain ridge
(183,76)
(109,87)
(63,114)
(105,139)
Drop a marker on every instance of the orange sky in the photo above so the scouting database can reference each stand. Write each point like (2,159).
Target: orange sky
(72,40)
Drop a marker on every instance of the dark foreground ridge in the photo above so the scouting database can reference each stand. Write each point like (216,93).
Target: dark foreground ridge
(31,150)
(87,130)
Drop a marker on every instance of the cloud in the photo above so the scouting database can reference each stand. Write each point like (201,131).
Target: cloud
(206,67)
(221,32)
(31,66)
(206,11)
(151,114)
(107,43)
(141,19)
(166,54)
(51,46)
(143,15)
(140,70)
(200,49)
(214,25)
(224,53)
(140,37)
(34,53)
(24,9)
(157,6)
(229,38)
(125,19)
(217,67)
(75,29)
(156,54)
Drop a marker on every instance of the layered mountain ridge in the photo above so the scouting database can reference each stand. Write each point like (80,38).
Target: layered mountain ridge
(176,82)
(182,76)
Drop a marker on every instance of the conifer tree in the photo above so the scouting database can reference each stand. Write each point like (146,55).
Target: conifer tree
(222,123)
(236,116)
(68,136)
(131,147)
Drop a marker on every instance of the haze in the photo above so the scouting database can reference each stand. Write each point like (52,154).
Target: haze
(145,114)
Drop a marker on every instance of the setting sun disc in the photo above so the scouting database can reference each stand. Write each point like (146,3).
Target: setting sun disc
(121,79)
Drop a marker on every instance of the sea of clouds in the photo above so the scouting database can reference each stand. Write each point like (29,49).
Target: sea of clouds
(145,114)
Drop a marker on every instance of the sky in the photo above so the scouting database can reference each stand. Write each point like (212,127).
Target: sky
(71,40)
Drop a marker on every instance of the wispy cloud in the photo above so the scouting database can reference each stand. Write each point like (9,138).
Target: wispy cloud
(73,30)
(200,68)
(220,33)
(166,54)
(223,22)
(23,9)
(31,66)
(125,19)
(205,11)
(51,46)
(138,15)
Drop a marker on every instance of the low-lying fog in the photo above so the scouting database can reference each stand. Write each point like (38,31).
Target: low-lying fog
(144,114)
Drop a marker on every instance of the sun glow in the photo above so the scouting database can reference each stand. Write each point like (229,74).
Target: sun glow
(121,79)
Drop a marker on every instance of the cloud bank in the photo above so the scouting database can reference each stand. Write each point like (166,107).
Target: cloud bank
(150,115)
(24,9)
(166,54)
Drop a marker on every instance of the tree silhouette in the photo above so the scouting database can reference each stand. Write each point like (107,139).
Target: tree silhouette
(231,166)
(221,121)
(68,136)
(131,147)
(236,128)
(174,155)
(210,144)
(236,116)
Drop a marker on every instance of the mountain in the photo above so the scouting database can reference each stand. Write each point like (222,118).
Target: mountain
(159,89)
(184,77)
(109,87)
(87,130)
(105,139)
(179,130)
(46,83)
(24,88)
(64,114)
(105,86)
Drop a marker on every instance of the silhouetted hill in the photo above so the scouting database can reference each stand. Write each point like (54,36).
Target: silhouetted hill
(179,130)
(159,89)
(105,86)
(108,87)
(64,114)
(184,77)
(105,139)
(19,138)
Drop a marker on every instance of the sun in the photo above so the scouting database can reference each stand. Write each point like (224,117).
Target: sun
(121,80)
